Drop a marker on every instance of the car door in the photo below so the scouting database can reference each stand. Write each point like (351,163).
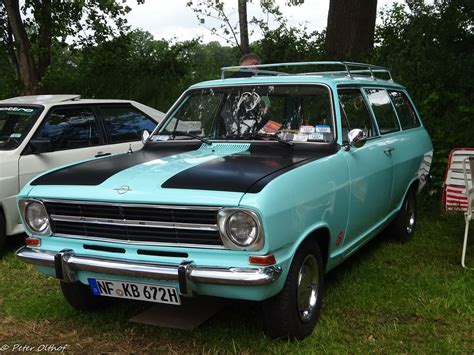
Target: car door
(124,126)
(74,133)
(410,146)
(370,169)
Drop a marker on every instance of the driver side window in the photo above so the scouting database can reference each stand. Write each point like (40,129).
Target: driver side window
(70,128)
(354,113)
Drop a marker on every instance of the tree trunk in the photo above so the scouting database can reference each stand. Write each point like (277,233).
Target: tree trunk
(11,52)
(26,66)
(44,55)
(244,31)
(350,29)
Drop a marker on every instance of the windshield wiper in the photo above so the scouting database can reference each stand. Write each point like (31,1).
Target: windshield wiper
(187,134)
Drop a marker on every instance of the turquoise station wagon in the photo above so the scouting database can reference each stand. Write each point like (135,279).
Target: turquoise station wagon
(251,188)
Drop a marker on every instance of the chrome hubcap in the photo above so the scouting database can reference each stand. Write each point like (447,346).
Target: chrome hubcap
(308,280)
(410,215)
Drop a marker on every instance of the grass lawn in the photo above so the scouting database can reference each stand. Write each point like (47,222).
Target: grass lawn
(389,297)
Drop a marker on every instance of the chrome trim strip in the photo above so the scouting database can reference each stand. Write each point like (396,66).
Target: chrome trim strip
(100,203)
(198,274)
(138,223)
(134,242)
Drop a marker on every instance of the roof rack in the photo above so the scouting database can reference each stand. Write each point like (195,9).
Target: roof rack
(351,68)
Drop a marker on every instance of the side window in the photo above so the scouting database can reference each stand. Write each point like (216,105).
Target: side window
(126,123)
(405,111)
(383,110)
(354,113)
(70,128)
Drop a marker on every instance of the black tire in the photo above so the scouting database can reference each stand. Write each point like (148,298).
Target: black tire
(79,297)
(3,231)
(284,317)
(404,225)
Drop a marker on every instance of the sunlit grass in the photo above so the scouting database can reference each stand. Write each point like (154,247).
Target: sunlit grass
(389,297)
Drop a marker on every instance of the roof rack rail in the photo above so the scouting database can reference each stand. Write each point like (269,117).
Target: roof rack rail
(351,68)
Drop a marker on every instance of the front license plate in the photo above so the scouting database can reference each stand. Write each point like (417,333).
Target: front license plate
(135,291)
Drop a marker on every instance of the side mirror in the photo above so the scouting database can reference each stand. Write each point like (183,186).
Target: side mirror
(145,136)
(39,146)
(356,138)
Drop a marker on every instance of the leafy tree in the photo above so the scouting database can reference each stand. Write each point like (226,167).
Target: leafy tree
(28,32)
(229,30)
(291,44)
(136,66)
(430,49)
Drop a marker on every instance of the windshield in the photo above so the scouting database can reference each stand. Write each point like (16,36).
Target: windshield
(291,113)
(15,123)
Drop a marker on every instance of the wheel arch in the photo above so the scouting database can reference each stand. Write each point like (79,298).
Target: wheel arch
(2,215)
(414,184)
(322,235)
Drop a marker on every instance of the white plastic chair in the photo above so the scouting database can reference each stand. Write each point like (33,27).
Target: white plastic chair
(468,170)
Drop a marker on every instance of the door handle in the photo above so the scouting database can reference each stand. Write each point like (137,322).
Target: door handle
(388,150)
(101,154)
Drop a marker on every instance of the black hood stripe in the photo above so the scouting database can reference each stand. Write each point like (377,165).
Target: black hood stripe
(248,171)
(95,172)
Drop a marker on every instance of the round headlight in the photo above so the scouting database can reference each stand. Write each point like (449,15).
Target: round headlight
(242,228)
(36,217)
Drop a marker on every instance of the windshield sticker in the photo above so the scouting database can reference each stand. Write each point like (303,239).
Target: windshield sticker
(316,136)
(271,127)
(323,128)
(306,129)
(17,109)
(300,137)
(15,135)
(161,138)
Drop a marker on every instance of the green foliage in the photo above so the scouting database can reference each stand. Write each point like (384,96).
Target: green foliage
(430,49)
(8,83)
(290,45)
(135,66)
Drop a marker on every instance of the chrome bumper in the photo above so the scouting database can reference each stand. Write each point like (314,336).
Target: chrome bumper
(66,263)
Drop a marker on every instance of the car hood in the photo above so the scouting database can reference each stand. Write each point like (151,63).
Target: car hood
(179,172)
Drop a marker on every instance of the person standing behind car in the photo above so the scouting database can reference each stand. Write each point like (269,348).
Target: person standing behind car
(247,60)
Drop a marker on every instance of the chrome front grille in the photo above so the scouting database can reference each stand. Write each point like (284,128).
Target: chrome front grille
(129,223)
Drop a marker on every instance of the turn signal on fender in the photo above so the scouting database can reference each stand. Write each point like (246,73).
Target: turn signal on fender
(33,242)
(262,259)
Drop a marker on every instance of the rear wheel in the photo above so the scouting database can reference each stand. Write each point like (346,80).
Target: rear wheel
(79,297)
(294,312)
(3,231)
(403,227)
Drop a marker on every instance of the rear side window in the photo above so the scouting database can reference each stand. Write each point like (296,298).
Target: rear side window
(405,111)
(354,113)
(70,128)
(125,123)
(383,110)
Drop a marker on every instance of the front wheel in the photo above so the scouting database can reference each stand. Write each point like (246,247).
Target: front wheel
(80,297)
(403,227)
(3,231)
(294,312)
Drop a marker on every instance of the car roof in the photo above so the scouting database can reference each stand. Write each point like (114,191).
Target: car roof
(330,80)
(40,99)
(58,100)
(49,100)
(331,73)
